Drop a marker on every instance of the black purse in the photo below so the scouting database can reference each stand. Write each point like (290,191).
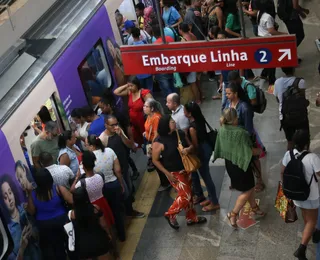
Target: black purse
(211,135)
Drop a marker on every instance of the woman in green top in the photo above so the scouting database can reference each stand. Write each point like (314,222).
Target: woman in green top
(238,162)
(233,26)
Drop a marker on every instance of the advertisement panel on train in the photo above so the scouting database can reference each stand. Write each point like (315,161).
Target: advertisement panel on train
(15,179)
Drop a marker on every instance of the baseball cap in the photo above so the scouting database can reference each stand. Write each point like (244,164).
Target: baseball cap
(129,24)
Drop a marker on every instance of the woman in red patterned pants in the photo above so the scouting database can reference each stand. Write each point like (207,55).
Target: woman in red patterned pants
(166,158)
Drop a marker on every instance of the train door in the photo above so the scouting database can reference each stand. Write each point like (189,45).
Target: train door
(95,75)
(52,110)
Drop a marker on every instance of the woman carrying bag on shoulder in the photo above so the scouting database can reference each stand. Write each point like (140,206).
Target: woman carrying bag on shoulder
(154,112)
(92,238)
(201,143)
(166,157)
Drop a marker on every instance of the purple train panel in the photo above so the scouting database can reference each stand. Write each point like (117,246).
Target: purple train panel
(81,73)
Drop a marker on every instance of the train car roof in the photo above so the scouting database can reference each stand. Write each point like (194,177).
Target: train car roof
(44,43)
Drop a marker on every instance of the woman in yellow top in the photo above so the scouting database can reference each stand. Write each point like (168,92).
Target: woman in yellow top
(154,112)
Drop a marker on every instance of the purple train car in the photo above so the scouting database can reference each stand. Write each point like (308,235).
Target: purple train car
(73,60)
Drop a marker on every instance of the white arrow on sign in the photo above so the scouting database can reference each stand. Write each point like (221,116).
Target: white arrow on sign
(286,52)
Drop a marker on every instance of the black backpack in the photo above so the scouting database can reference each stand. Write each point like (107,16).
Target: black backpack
(284,9)
(294,106)
(206,24)
(294,184)
(261,105)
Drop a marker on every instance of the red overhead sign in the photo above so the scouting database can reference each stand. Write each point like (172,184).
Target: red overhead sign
(229,54)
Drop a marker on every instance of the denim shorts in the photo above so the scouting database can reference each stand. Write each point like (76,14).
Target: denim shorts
(192,77)
(307,204)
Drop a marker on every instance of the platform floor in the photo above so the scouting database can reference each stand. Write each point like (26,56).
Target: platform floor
(270,239)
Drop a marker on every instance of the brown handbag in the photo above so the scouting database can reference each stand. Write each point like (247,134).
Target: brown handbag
(191,162)
(291,215)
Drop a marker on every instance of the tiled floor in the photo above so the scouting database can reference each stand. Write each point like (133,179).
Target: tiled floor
(271,238)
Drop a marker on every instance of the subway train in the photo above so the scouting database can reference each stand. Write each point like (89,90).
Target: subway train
(69,59)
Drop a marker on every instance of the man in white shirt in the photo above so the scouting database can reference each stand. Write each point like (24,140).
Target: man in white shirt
(62,175)
(280,86)
(173,104)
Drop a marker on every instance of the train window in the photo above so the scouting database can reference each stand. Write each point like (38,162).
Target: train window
(50,111)
(95,74)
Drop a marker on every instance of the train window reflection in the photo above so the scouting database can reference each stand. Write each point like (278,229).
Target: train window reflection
(95,74)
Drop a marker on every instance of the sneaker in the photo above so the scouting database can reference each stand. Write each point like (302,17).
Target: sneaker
(137,214)
(163,188)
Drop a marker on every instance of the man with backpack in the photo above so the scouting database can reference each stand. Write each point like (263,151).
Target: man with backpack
(290,12)
(293,105)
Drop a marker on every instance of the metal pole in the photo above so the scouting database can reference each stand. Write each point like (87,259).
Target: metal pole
(243,29)
(156,4)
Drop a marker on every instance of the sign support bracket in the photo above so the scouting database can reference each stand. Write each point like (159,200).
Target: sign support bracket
(243,29)
(156,4)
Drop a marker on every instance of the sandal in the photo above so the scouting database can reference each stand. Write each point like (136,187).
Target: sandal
(211,207)
(259,187)
(216,97)
(205,203)
(234,215)
(197,199)
(256,211)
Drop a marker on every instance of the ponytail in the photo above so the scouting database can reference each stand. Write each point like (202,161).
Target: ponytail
(96,142)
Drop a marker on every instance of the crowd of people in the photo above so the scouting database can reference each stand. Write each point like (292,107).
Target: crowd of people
(83,175)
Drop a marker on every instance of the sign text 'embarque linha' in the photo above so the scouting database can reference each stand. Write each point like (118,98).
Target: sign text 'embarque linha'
(215,56)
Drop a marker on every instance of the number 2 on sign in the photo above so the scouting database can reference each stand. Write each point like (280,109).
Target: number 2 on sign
(264,55)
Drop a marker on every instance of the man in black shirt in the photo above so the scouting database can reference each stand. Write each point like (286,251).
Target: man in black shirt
(107,107)
(194,21)
(120,143)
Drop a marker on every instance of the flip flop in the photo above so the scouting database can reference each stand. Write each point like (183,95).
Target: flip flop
(216,97)
(205,203)
(213,208)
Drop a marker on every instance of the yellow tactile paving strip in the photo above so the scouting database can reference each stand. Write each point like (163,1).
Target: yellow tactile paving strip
(144,199)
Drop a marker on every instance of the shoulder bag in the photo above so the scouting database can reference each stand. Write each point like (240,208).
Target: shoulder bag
(212,135)
(70,232)
(191,162)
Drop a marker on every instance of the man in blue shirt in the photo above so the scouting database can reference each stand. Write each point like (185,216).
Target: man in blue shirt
(96,122)
(146,80)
